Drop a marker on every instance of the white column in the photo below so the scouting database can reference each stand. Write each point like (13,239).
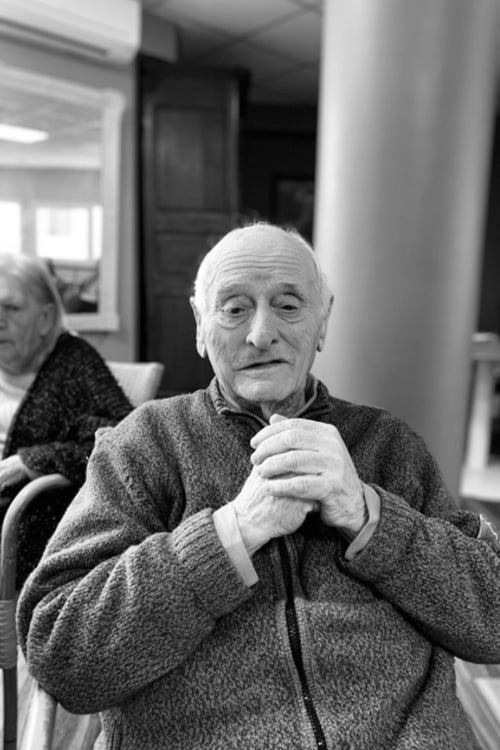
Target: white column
(406,110)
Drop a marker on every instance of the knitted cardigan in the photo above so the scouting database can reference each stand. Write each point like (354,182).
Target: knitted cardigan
(136,610)
(53,430)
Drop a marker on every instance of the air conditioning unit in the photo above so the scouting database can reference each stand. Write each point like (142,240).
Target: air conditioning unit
(105,30)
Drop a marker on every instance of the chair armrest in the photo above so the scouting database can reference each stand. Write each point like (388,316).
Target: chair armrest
(42,729)
(8,551)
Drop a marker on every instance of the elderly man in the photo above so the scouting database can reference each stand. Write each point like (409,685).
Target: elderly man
(259,564)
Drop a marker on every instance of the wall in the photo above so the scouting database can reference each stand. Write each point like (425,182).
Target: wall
(159,38)
(26,185)
(489,305)
(279,142)
(276,143)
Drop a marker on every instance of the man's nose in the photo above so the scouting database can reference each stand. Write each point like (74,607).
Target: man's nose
(263,329)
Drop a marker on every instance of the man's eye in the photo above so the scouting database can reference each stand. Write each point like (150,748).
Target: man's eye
(232,310)
(289,308)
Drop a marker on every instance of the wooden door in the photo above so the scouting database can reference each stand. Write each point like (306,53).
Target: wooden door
(189,183)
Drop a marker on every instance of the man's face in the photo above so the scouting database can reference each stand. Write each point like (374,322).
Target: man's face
(262,321)
(23,323)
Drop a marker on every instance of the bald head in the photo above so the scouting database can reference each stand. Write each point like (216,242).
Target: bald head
(259,239)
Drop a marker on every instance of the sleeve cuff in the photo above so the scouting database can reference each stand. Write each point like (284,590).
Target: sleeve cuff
(229,535)
(372,501)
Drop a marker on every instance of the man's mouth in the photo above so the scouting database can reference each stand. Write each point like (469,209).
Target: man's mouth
(261,364)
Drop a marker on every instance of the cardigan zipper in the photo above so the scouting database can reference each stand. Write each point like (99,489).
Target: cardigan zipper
(295,645)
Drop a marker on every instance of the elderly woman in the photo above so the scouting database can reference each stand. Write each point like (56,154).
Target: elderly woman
(55,391)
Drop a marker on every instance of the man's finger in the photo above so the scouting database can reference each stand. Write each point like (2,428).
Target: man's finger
(300,486)
(289,463)
(277,424)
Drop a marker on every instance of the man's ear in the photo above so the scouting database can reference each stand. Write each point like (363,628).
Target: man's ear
(324,325)
(200,344)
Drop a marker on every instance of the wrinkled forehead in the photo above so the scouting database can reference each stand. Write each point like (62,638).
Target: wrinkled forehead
(261,258)
(11,287)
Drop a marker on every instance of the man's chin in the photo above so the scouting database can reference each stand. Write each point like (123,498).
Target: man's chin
(258,394)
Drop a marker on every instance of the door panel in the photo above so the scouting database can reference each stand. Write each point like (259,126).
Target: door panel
(188,172)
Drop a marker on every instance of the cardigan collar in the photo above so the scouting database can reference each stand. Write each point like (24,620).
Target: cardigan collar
(317,401)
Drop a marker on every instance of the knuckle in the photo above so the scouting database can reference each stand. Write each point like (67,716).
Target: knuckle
(292,460)
(269,467)
(302,486)
(291,436)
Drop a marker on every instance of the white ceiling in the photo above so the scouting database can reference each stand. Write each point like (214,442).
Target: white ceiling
(74,125)
(277,41)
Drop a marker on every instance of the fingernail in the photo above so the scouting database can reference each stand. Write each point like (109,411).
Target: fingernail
(276,418)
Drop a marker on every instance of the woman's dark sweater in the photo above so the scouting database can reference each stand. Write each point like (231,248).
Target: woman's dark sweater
(53,431)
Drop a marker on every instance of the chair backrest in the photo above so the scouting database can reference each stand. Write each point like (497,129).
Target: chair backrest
(139,380)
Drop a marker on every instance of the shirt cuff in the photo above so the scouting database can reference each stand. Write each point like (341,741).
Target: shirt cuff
(229,535)
(487,531)
(372,501)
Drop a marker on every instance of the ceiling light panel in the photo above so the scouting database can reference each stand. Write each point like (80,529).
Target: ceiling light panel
(260,61)
(21,135)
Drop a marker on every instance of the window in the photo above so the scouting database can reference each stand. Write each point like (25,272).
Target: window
(61,196)
(69,233)
(10,221)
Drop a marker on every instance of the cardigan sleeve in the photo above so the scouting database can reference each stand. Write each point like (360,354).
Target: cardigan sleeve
(141,597)
(426,558)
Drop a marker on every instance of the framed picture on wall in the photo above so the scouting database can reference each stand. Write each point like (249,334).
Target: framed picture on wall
(293,203)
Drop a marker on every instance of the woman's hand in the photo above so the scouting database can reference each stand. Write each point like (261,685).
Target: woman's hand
(12,471)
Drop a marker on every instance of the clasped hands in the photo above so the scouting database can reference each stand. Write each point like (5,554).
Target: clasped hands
(299,466)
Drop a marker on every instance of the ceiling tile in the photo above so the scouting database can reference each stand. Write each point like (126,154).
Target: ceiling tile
(233,17)
(262,62)
(269,38)
(299,37)
(150,4)
(316,5)
(196,41)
